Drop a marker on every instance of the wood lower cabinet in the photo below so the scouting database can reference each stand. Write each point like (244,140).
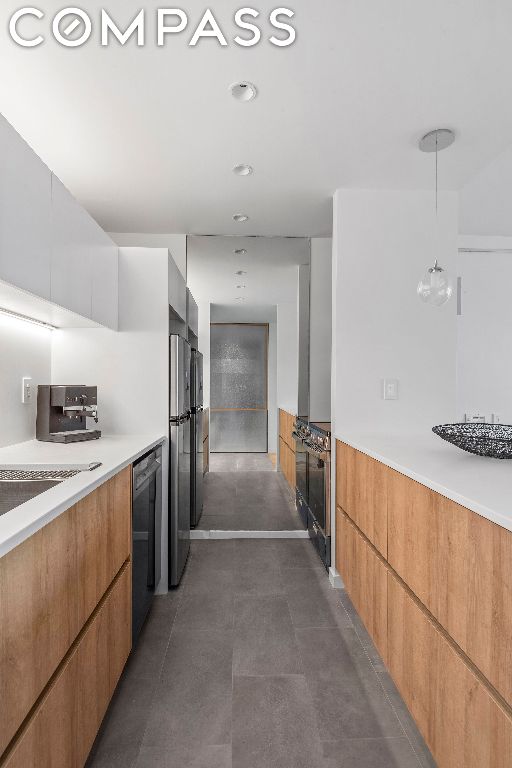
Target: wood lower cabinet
(462,723)
(287,463)
(460,567)
(361,491)
(365,578)
(61,730)
(50,585)
(287,447)
(437,603)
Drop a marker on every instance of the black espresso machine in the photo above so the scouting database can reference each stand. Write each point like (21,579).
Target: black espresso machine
(62,413)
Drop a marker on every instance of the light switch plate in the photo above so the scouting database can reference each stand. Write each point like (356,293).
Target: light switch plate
(26,389)
(390,389)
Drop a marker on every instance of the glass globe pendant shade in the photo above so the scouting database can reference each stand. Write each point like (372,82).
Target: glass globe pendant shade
(436,286)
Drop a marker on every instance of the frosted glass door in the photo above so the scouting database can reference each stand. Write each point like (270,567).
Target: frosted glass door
(238,388)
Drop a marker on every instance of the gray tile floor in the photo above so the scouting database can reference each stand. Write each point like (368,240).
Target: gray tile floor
(256,662)
(240,462)
(244,492)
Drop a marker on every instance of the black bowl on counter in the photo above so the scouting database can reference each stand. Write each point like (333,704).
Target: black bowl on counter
(493,440)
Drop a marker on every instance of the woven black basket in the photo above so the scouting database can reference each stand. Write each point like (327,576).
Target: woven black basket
(494,440)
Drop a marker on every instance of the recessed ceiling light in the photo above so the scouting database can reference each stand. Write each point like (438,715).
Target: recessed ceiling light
(239,251)
(240,272)
(241,287)
(240,218)
(240,298)
(243,91)
(243,170)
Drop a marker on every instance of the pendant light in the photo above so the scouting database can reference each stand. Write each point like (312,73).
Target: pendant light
(436,285)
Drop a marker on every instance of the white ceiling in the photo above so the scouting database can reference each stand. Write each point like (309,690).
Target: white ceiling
(270,265)
(146,137)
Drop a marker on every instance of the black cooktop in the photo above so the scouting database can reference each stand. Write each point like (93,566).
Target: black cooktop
(321,426)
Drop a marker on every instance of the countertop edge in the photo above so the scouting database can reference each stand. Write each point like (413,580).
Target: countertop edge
(459,498)
(26,531)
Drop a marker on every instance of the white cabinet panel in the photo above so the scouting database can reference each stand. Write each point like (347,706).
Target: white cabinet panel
(71,252)
(192,314)
(25,215)
(177,290)
(105,275)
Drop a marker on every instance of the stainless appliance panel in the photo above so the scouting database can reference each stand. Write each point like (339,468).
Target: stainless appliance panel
(146,535)
(179,377)
(199,387)
(179,499)
(196,436)
(196,473)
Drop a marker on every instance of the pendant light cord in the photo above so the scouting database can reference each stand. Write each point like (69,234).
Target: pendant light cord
(437,138)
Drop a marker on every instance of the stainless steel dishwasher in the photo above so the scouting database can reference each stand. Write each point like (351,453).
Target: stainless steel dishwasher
(146,533)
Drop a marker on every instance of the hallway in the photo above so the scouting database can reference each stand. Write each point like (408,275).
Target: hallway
(244,492)
(255,662)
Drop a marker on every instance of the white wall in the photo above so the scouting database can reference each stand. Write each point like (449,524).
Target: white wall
(176,244)
(287,356)
(204,308)
(25,350)
(320,346)
(484,331)
(131,367)
(486,200)
(383,242)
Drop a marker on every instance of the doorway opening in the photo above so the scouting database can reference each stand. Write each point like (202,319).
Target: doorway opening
(238,388)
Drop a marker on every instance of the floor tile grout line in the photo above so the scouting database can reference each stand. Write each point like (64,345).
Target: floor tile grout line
(157,679)
(388,698)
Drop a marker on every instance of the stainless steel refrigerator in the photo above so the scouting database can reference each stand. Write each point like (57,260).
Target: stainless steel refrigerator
(196,442)
(179,460)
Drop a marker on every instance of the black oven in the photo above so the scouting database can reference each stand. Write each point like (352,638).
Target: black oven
(301,471)
(318,472)
(146,533)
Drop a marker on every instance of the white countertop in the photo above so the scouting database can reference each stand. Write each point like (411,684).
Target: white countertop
(114,453)
(479,483)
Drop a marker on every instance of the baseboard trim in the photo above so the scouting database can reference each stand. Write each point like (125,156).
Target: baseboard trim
(335,579)
(249,535)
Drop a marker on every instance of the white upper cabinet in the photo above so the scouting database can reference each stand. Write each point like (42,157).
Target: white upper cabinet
(177,290)
(105,285)
(25,215)
(192,314)
(84,261)
(71,253)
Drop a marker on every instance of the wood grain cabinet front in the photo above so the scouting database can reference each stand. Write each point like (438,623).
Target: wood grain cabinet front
(49,587)
(460,567)
(365,578)
(462,723)
(62,728)
(361,492)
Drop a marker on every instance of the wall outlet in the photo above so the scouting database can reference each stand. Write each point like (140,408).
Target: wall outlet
(26,389)
(474,418)
(390,389)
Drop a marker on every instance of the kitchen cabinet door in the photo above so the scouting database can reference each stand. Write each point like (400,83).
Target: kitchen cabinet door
(25,215)
(61,730)
(462,723)
(460,567)
(49,586)
(105,277)
(365,578)
(71,252)
(361,492)
(192,314)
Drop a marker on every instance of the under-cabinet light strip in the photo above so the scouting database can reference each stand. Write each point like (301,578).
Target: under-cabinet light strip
(27,319)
